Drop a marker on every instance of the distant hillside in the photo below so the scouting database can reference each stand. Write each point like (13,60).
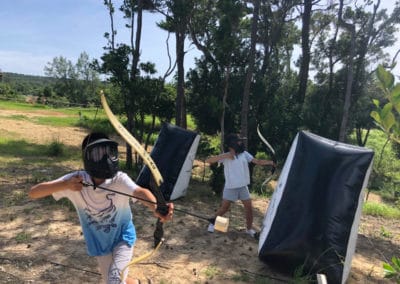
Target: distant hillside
(23,87)
(34,81)
(13,85)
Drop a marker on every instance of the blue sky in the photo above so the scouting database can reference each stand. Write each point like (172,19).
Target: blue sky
(33,32)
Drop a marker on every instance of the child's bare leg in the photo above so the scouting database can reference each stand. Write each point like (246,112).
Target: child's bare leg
(129,280)
(248,208)
(225,205)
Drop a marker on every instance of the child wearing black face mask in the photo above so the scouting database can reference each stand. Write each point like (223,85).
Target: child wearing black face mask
(237,178)
(105,217)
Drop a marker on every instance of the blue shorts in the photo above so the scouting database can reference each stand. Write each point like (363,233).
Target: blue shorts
(234,194)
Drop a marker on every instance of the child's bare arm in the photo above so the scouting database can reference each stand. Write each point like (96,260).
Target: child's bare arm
(146,198)
(262,162)
(149,200)
(217,158)
(47,188)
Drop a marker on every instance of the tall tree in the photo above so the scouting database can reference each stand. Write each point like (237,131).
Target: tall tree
(76,83)
(177,16)
(62,69)
(374,31)
(216,31)
(121,60)
(88,79)
(350,27)
(305,48)
(250,71)
(274,83)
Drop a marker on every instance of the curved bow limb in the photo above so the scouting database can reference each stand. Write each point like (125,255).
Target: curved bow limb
(138,148)
(140,259)
(132,141)
(271,149)
(162,207)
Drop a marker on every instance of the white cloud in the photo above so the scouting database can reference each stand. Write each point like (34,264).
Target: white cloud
(23,62)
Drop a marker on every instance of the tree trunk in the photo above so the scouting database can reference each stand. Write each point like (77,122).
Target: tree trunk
(224,98)
(135,45)
(359,135)
(135,41)
(249,74)
(349,83)
(180,117)
(305,47)
(110,8)
(363,47)
(326,106)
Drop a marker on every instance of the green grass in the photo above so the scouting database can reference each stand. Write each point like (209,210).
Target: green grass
(56,121)
(23,237)
(93,118)
(19,117)
(17,197)
(10,105)
(24,149)
(381,210)
(211,271)
(20,148)
(48,120)
(91,112)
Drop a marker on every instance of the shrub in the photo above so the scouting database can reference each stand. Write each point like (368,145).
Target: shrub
(56,149)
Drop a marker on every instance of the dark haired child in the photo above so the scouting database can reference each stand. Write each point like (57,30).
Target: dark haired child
(237,178)
(105,216)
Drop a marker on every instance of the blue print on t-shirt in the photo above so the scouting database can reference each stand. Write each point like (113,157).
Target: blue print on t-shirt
(103,219)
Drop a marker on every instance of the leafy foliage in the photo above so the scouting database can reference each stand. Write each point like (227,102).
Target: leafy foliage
(388,120)
(392,270)
(77,83)
(388,116)
(19,86)
(386,167)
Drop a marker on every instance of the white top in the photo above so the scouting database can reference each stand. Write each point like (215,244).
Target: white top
(236,171)
(105,217)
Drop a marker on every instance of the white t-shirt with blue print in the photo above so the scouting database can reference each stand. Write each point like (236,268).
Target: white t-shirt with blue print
(105,217)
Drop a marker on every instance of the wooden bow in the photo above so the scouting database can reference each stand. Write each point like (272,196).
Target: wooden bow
(161,203)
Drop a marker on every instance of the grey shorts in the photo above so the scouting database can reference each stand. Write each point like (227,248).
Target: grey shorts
(112,264)
(234,194)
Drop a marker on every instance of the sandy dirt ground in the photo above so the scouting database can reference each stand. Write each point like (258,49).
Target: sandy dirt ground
(41,241)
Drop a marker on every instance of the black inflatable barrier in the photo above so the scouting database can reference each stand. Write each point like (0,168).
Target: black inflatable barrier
(173,153)
(312,220)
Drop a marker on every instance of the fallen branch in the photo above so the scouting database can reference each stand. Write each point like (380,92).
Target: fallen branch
(159,264)
(73,267)
(263,275)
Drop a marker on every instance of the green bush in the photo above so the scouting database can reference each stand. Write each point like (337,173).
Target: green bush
(385,176)
(56,149)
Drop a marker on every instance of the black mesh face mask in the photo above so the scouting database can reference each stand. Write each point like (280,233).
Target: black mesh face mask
(239,147)
(235,142)
(100,158)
